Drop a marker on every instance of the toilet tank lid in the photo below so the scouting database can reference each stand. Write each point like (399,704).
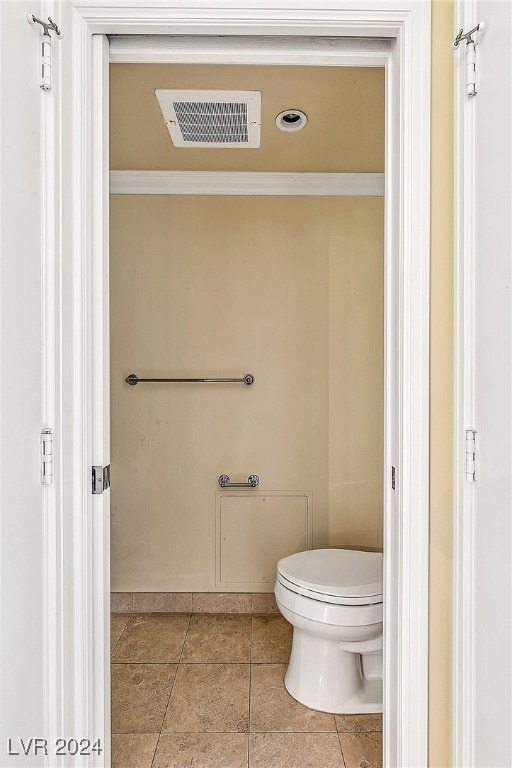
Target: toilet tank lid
(342,572)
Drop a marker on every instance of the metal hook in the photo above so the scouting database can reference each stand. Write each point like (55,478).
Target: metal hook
(467,35)
(46,25)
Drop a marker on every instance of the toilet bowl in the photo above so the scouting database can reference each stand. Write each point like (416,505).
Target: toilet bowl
(333,599)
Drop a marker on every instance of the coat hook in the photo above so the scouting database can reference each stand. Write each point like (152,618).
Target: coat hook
(46,25)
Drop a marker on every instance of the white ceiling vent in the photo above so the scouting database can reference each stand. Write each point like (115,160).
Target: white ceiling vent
(212,118)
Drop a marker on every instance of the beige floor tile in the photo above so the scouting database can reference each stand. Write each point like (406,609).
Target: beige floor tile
(218,639)
(140,693)
(362,750)
(208,698)
(271,640)
(133,750)
(295,750)
(273,709)
(202,750)
(118,622)
(358,723)
(152,638)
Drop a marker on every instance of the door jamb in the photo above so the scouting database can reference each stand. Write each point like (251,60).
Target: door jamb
(407,236)
(464,705)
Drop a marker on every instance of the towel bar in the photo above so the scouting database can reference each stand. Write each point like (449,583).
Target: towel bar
(133,379)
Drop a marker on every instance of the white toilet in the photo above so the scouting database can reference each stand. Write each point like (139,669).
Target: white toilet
(333,599)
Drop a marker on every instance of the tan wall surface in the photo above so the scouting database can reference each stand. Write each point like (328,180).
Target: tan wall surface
(356,364)
(441,393)
(289,289)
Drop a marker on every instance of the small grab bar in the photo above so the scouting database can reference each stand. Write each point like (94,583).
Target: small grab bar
(133,379)
(252,482)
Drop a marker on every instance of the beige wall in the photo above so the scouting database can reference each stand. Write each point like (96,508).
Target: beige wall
(356,310)
(289,289)
(441,393)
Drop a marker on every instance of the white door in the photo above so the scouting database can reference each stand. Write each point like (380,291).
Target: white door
(53,675)
(21,532)
(484,514)
(493,511)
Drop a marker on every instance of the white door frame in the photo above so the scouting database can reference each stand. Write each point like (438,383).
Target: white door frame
(84,355)
(475,508)
(464,670)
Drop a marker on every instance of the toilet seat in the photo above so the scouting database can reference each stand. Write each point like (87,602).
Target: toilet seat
(334,576)
(330,599)
(327,613)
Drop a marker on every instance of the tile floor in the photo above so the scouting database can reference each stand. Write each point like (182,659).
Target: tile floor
(206,691)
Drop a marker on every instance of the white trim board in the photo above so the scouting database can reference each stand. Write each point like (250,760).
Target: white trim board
(163,49)
(464,704)
(252,183)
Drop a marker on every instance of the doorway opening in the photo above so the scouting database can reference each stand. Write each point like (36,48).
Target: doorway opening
(265,278)
(405,322)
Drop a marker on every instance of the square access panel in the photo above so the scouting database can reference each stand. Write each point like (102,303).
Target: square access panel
(254,531)
(220,119)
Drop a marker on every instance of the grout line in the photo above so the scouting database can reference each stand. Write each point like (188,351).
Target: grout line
(239,733)
(191,663)
(120,636)
(166,708)
(134,733)
(361,733)
(343,763)
(250,693)
(250,640)
(155,750)
(185,639)
(294,733)
(172,686)
(213,664)
(145,663)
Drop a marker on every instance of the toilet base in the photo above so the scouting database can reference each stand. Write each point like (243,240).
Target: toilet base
(323,676)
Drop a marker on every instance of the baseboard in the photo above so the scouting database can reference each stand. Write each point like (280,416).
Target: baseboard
(192,602)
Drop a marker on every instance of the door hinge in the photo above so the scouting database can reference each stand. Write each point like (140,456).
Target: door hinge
(47,456)
(47,27)
(100,479)
(470,54)
(470,455)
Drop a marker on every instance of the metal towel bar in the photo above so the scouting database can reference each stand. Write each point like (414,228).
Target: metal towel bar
(133,379)
(252,482)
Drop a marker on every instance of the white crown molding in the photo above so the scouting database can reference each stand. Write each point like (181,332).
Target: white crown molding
(252,183)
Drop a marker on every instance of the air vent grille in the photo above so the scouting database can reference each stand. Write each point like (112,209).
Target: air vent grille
(212,122)
(212,118)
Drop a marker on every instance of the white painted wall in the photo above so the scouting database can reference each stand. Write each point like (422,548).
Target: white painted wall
(21,522)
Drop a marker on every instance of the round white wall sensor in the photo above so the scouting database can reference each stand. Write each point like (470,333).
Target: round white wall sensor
(291,120)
